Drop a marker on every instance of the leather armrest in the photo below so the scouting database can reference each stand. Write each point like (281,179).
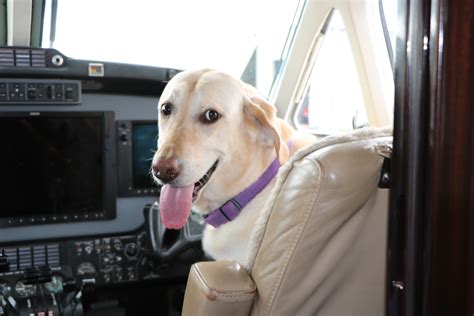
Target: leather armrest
(218,288)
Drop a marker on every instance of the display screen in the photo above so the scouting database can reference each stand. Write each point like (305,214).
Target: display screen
(144,141)
(51,164)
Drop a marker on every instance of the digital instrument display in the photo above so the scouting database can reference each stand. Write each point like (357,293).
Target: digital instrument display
(144,139)
(136,143)
(56,166)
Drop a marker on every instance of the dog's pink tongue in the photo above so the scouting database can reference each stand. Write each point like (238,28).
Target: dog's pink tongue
(175,205)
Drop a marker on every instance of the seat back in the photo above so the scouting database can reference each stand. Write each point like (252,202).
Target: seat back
(319,246)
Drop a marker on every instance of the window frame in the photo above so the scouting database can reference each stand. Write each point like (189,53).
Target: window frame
(363,25)
(302,91)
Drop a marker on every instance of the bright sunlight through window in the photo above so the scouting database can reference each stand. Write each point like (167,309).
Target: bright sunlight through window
(333,101)
(182,34)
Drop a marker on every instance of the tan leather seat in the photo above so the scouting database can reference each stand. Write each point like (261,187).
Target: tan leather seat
(319,247)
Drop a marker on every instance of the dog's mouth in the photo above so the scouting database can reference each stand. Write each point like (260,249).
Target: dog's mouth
(203,181)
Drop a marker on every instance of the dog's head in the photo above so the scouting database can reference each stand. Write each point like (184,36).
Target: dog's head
(216,135)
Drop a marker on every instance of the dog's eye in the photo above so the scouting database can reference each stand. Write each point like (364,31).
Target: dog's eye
(166,109)
(210,116)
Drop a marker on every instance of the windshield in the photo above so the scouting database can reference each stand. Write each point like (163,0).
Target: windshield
(234,36)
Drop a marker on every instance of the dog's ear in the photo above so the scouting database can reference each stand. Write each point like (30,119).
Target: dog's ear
(258,109)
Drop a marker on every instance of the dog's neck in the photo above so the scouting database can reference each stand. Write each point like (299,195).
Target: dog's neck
(232,208)
(234,176)
(227,211)
(229,180)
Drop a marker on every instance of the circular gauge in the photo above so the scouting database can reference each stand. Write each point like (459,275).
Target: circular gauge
(86,268)
(131,250)
(56,285)
(25,289)
(5,288)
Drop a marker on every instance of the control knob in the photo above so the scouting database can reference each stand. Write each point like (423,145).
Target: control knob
(5,288)
(131,250)
(124,137)
(117,244)
(106,277)
(24,289)
(56,285)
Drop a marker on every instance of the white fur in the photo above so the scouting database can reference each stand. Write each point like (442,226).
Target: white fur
(231,241)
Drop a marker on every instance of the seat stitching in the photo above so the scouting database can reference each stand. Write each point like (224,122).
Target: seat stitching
(301,155)
(205,286)
(297,238)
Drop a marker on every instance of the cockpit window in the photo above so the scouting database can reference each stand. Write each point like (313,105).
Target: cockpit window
(323,108)
(184,34)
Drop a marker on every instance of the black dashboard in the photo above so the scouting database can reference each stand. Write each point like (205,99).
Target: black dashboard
(75,238)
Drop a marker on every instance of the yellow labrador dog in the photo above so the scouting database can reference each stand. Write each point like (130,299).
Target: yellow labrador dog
(220,146)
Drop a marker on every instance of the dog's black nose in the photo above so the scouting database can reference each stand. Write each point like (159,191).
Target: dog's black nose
(166,169)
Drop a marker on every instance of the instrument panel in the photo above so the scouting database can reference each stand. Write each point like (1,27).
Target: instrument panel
(49,260)
(102,261)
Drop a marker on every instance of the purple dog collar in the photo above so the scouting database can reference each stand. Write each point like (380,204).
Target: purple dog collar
(231,209)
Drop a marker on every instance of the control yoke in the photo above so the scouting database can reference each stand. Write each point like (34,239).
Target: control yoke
(167,244)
